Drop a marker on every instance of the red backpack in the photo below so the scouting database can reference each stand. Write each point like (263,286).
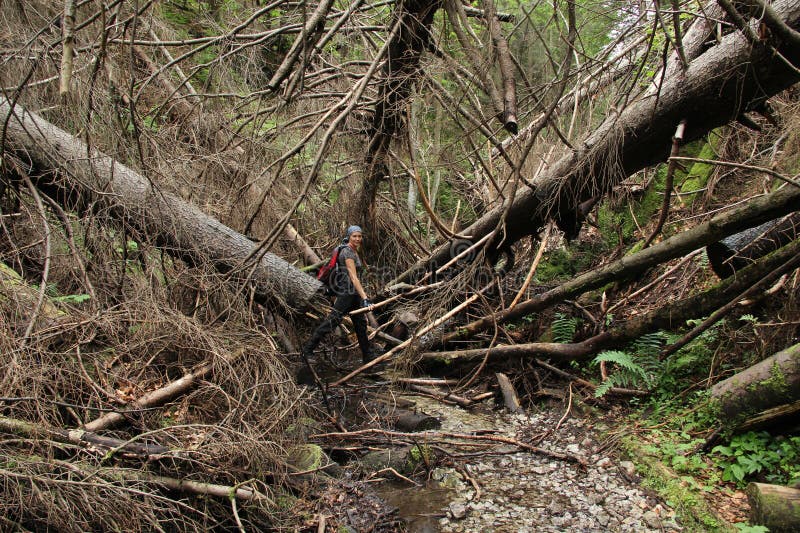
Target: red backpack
(324,273)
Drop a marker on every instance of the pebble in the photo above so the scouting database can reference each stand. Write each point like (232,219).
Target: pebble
(526,492)
(628,468)
(458,510)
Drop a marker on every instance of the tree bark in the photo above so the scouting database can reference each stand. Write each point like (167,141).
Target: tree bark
(784,418)
(724,81)
(772,382)
(774,506)
(510,398)
(177,226)
(753,213)
(400,72)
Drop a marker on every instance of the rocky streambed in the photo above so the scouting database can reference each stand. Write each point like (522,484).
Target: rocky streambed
(501,488)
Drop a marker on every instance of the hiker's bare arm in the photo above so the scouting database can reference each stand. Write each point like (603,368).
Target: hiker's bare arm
(351,270)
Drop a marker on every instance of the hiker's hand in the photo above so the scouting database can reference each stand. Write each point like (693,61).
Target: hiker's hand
(366,303)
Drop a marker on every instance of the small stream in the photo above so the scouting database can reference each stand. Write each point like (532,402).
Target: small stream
(525,492)
(420,507)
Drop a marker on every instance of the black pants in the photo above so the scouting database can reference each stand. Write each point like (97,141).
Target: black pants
(343,305)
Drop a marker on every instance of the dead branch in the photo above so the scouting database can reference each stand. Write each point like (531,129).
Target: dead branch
(78,437)
(677,140)
(430,435)
(669,316)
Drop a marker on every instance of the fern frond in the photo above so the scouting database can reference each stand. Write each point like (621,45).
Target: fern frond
(648,344)
(621,359)
(563,328)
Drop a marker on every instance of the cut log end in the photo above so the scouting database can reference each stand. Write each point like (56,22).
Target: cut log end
(774,506)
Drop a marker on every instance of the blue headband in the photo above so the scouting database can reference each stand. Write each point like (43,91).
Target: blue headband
(353,229)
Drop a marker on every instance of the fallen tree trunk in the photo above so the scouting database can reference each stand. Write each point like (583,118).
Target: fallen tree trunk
(775,507)
(772,382)
(177,226)
(754,212)
(76,436)
(151,399)
(723,82)
(737,251)
(670,316)
(784,418)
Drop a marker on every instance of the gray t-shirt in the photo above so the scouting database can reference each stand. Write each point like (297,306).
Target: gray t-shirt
(342,283)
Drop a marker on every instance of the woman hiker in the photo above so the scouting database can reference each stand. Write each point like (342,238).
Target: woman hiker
(350,295)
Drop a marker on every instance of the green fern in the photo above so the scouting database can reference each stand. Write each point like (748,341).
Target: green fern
(630,373)
(563,328)
(648,344)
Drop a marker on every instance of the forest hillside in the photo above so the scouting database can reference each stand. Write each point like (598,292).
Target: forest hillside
(588,209)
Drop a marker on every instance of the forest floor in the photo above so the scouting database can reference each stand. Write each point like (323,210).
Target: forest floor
(495,486)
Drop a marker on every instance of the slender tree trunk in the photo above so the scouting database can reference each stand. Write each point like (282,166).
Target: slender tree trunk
(400,72)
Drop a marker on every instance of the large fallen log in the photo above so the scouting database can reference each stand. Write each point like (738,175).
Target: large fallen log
(753,213)
(723,82)
(737,251)
(775,507)
(174,224)
(670,316)
(772,382)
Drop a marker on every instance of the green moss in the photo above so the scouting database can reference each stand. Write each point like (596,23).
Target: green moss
(697,177)
(562,264)
(693,511)
(419,455)
(306,457)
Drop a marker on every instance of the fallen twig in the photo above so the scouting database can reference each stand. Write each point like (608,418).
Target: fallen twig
(366,433)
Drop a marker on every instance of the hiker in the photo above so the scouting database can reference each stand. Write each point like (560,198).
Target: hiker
(350,295)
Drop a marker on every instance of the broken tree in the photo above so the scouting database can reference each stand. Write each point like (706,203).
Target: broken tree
(729,78)
(176,225)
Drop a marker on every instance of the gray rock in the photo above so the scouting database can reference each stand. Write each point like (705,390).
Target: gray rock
(652,519)
(458,510)
(627,468)
(555,507)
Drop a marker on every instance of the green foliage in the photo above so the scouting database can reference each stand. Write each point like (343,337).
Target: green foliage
(758,453)
(743,527)
(73,299)
(563,328)
(563,263)
(628,373)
